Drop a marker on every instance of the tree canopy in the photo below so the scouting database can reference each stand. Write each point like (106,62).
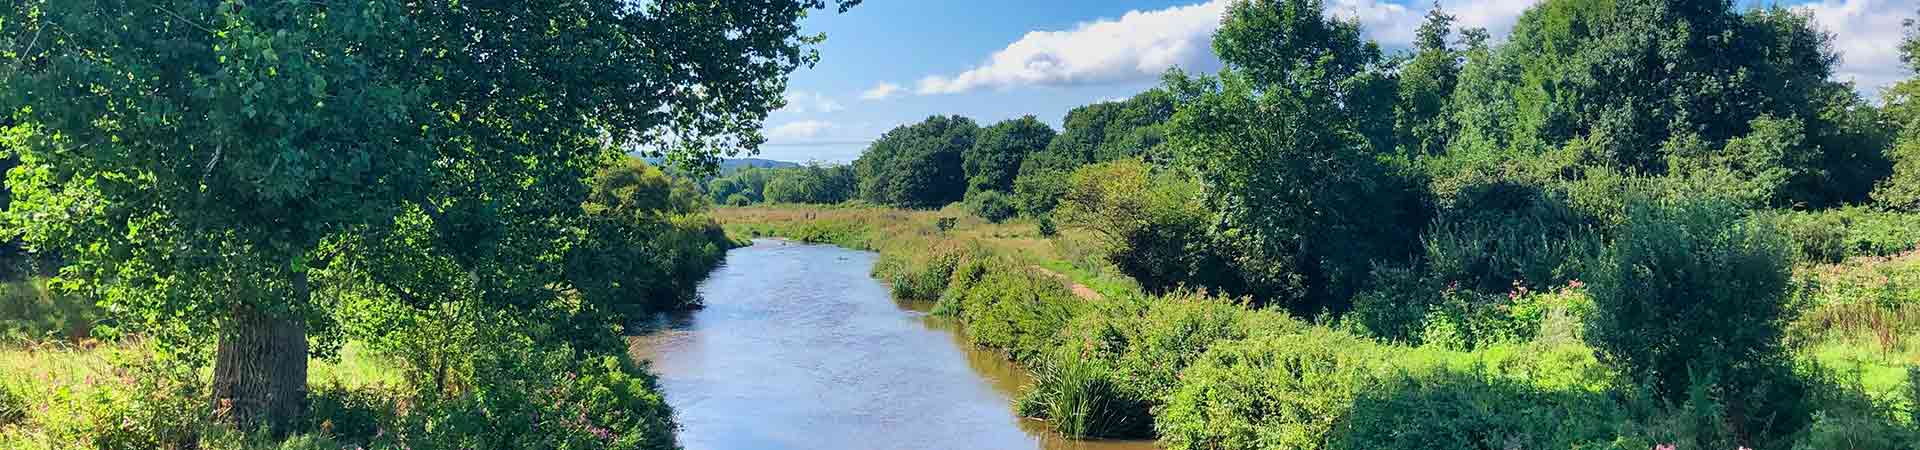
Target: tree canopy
(918,165)
(210,165)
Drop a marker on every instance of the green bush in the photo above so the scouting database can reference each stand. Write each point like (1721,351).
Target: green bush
(35,310)
(1451,409)
(523,396)
(1008,307)
(1140,345)
(993,206)
(1830,236)
(1695,291)
(1078,395)
(1498,235)
(1275,392)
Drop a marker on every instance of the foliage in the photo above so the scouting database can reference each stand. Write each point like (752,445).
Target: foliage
(993,206)
(1833,235)
(1007,307)
(1105,131)
(919,165)
(996,156)
(1288,141)
(237,158)
(1901,190)
(1741,94)
(1285,392)
(1151,226)
(30,310)
(648,242)
(1477,410)
(812,184)
(1696,294)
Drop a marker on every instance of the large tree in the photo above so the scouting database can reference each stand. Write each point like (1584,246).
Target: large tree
(918,165)
(1288,142)
(203,163)
(1659,87)
(995,157)
(1902,190)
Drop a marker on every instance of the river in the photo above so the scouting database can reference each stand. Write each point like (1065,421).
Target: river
(799,347)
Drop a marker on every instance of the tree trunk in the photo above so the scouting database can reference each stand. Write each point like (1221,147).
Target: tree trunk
(260,370)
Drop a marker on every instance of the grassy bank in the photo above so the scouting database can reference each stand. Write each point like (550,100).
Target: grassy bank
(1199,371)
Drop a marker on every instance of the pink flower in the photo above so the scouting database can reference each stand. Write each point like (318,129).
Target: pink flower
(1664,447)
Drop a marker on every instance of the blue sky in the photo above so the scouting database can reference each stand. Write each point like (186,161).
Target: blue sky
(892,62)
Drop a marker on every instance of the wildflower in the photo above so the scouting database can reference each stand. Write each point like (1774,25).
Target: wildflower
(1664,447)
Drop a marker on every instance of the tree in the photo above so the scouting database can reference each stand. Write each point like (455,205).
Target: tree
(230,154)
(1105,131)
(1636,86)
(812,184)
(919,165)
(646,245)
(1287,142)
(1901,191)
(995,157)
(1423,116)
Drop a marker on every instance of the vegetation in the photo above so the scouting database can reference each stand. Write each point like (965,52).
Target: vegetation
(1563,240)
(241,201)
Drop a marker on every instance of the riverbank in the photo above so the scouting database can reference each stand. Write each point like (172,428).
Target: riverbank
(1197,371)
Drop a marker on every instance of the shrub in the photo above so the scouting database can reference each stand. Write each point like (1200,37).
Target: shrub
(1501,234)
(36,310)
(993,206)
(525,396)
(1694,289)
(1081,400)
(1008,307)
(1275,392)
(1475,410)
(1395,308)
(739,200)
(1140,345)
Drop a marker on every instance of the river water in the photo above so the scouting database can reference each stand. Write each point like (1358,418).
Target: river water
(798,347)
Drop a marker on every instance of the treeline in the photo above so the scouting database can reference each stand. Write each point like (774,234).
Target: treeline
(1664,163)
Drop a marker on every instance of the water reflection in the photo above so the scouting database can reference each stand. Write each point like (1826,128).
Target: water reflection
(800,348)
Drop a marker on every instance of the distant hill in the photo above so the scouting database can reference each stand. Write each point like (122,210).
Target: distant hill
(731,165)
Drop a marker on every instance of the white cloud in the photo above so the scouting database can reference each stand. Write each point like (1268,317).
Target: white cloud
(882,91)
(1138,45)
(1141,45)
(1867,35)
(809,101)
(799,130)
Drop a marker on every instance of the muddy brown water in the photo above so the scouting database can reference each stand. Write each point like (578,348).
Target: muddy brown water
(798,347)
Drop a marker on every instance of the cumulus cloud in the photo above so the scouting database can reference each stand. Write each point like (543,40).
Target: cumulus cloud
(809,101)
(1141,45)
(1867,35)
(882,91)
(1138,45)
(798,130)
